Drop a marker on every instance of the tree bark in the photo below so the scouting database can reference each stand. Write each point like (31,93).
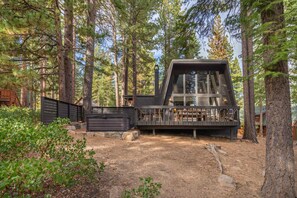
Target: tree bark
(24,90)
(42,77)
(74,62)
(125,62)
(115,51)
(261,118)
(248,83)
(89,68)
(60,53)
(134,61)
(123,71)
(134,66)
(68,47)
(279,171)
(126,71)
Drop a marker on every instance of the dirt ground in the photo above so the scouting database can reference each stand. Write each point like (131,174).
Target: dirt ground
(180,163)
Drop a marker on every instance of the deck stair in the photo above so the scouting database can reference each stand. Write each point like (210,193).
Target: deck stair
(8,98)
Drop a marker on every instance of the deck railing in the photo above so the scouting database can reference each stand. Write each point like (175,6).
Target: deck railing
(187,115)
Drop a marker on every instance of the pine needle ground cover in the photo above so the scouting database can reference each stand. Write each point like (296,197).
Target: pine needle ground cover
(36,158)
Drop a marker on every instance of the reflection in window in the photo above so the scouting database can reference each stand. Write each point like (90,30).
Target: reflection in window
(214,82)
(225,101)
(203,101)
(178,84)
(191,101)
(192,89)
(202,81)
(178,101)
(190,83)
(214,101)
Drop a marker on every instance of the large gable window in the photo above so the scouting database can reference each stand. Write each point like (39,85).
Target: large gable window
(199,88)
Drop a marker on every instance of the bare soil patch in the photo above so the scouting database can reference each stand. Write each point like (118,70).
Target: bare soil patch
(181,164)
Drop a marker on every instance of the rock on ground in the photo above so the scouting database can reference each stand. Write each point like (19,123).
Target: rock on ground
(226,181)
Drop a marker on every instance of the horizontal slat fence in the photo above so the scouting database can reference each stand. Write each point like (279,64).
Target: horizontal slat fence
(52,109)
(127,111)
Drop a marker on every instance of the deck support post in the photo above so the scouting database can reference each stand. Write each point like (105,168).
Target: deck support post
(154,132)
(231,133)
(194,134)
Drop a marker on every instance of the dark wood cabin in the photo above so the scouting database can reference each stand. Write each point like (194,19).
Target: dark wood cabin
(8,98)
(195,94)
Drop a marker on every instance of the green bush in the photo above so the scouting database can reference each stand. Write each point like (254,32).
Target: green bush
(147,189)
(34,157)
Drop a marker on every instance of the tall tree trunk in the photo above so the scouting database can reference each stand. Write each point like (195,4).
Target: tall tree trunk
(73,62)
(123,71)
(279,171)
(89,69)
(42,77)
(126,70)
(248,83)
(115,51)
(261,118)
(24,90)
(125,63)
(165,47)
(116,85)
(134,66)
(68,47)
(60,53)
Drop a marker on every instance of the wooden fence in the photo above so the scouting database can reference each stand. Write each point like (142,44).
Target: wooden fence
(52,109)
(127,111)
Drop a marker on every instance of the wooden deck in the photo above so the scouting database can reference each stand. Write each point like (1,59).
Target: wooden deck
(187,117)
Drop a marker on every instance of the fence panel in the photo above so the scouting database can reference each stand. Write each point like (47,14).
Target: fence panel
(52,109)
(128,111)
(73,112)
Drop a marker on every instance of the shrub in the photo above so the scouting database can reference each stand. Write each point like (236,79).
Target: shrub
(147,189)
(34,157)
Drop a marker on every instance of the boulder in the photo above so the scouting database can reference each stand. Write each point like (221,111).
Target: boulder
(77,125)
(116,135)
(226,181)
(128,137)
(70,128)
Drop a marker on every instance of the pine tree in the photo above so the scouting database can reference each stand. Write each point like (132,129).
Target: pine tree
(236,77)
(220,48)
(279,171)
(176,37)
(90,47)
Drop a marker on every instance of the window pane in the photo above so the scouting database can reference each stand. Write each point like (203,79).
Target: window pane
(191,101)
(202,81)
(178,101)
(190,83)
(225,101)
(214,101)
(178,84)
(214,82)
(203,101)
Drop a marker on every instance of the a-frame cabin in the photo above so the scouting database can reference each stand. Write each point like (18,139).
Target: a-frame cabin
(195,94)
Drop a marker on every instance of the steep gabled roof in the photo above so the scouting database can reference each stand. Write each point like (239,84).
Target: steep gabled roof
(184,63)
